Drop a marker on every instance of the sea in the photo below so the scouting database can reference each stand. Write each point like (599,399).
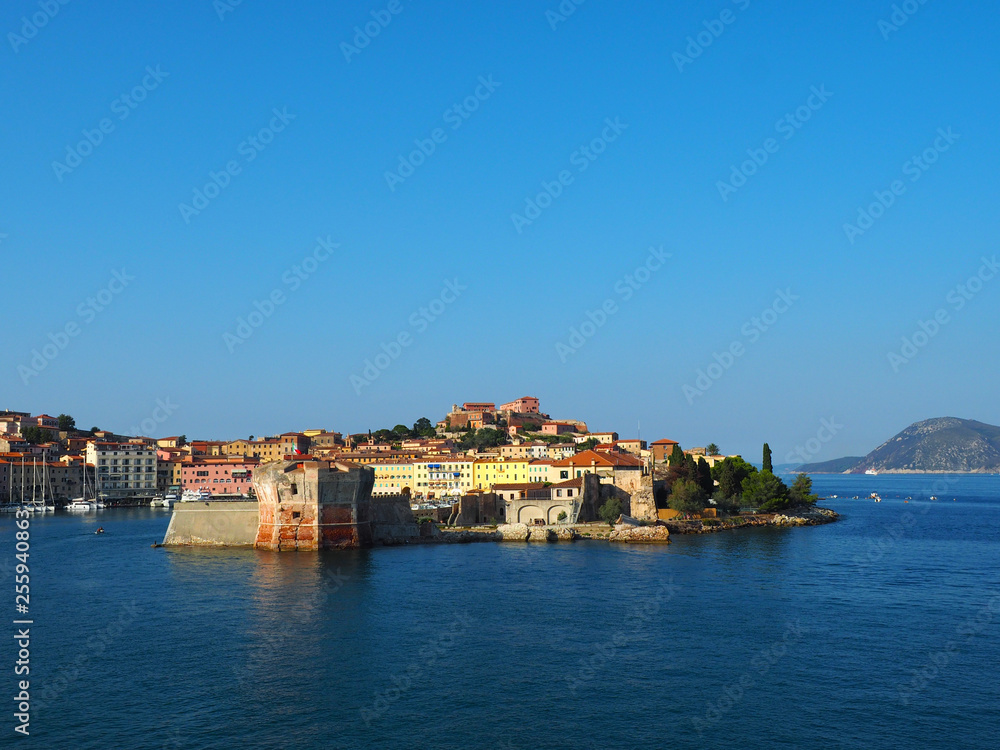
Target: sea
(879,631)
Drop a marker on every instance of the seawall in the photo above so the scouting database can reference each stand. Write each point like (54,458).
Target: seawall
(229,524)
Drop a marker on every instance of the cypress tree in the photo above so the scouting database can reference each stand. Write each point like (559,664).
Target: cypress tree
(768,467)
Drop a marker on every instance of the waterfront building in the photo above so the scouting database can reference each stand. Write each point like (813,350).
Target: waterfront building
(124,469)
(620,469)
(392,477)
(444,475)
(223,475)
(487,472)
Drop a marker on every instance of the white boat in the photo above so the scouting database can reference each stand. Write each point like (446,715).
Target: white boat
(79,505)
(875,496)
(169,499)
(196,496)
(871,472)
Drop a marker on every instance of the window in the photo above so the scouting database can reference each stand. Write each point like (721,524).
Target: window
(295,489)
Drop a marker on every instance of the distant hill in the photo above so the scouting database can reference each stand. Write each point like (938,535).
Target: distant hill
(835,466)
(945,445)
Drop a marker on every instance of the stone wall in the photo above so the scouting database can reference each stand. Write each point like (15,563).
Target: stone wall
(213,524)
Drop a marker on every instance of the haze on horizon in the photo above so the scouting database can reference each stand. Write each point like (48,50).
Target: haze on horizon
(646,237)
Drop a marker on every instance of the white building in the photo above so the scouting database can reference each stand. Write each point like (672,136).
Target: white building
(123,469)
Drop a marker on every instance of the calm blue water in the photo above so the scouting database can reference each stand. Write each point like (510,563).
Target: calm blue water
(755,639)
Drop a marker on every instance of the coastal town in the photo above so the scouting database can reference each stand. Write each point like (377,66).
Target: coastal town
(481,464)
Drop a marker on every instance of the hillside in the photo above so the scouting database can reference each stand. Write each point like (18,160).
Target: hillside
(835,466)
(945,445)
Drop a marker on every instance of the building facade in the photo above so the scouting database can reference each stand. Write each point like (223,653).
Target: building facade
(123,469)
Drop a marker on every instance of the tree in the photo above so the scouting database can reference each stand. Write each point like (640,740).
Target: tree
(66,422)
(767,459)
(561,517)
(730,473)
(36,435)
(483,438)
(727,505)
(704,477)
(401,431)
(762,489)
(94,430)
(423,428)
(800,493)
(676,457)
(686,497)
(712,449)
(610,511)
(587,445)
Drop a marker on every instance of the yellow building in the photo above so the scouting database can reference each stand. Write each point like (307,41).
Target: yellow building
(444,475)
(540,470)
(490,471)
(392,477)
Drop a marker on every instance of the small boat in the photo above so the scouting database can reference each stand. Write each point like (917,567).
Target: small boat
(933,497)
(100,530)
(871,472)
(874,496)
(79,505)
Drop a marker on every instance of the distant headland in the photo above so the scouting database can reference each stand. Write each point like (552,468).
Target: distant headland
(945,445)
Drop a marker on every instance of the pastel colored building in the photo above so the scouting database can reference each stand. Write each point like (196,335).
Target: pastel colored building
(523,405)
(392,477)
(491,471)
(224,475)
(445,475)
(662,449)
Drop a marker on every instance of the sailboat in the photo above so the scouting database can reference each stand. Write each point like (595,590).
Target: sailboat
(48,505)
(82,504)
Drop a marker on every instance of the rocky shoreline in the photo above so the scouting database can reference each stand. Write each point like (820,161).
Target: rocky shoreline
(629,531)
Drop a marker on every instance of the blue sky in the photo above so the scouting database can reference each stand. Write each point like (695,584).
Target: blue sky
(652,181)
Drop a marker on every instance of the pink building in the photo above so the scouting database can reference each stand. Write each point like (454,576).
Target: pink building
(232,475)
(557,428)
(524,405)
